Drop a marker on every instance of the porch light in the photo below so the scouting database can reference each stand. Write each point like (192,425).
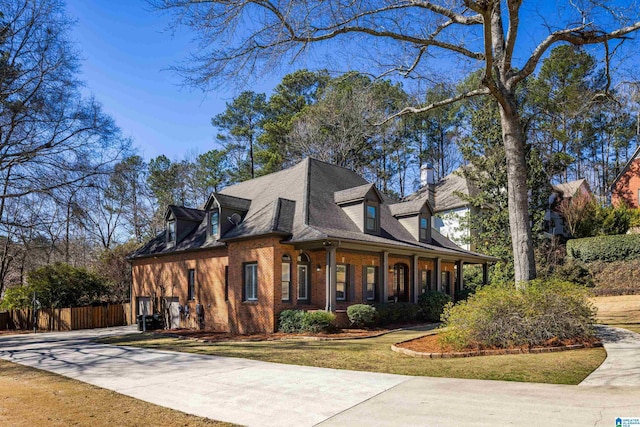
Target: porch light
(318,267)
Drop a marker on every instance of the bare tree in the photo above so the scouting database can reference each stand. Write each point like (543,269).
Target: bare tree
(257,35)
(51,137)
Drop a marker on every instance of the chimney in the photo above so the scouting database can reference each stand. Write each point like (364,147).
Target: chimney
(427,180)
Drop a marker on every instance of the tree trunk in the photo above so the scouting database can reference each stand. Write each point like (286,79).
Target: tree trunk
(519,223)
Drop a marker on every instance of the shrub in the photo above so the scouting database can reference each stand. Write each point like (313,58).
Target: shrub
(574,272)
(290,321)
(396,312)
(317,321)
(501,316)
(57,286)
(615,220)
(616,278)
(432,304)
(362,315)
(605,248)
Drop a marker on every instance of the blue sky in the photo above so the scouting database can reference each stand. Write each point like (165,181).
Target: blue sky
(126,49)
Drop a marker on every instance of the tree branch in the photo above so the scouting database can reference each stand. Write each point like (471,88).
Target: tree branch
(432,106)
(577,36)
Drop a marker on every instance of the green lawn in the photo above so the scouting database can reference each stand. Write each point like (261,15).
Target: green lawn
(375,355)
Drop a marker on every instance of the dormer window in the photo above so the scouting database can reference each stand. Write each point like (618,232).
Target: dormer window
(372,217)
(424,228)
(171,231)
(214,223)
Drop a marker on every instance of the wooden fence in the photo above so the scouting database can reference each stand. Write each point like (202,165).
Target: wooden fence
(68,319)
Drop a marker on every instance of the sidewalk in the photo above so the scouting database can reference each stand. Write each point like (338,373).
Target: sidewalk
(622,365)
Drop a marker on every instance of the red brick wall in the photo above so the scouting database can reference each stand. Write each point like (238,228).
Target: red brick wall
(150,275)
(626,189)
(249,316)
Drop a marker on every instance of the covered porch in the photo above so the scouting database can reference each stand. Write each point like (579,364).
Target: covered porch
(349,273)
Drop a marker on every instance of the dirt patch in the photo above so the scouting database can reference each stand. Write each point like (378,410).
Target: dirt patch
(429,347)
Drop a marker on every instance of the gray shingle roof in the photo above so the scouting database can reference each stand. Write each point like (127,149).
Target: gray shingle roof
(411,207)
(568,189)
(447,190)
(354,194)
(187,214)
(230,202)
(299,203)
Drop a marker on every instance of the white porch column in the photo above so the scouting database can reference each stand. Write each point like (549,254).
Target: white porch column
(416,280)
(331,279)
(438,272)
(384,273)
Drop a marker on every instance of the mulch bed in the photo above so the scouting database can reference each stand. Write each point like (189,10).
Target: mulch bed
(429,347)
(340,334)
(209,336)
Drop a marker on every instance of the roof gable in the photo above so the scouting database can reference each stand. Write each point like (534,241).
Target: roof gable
(357,194)
(410,208)
(182,213)
(626,167)
(227,201)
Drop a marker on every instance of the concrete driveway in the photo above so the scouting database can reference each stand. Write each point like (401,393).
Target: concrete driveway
(268,394)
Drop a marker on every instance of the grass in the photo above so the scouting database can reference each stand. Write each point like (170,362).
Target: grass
(31,397)
(375,355)
(620,311)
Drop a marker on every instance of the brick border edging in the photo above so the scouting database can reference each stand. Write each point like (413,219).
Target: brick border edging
(500,352)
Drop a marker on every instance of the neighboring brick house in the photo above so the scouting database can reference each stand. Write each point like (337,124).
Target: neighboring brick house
(625,188)
(315,237)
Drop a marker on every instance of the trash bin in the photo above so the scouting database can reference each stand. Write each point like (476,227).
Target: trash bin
(148,322)
(158,322)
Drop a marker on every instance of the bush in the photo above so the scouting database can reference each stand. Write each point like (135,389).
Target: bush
(615,220)
(432,304)
(318,321)
(396,312)
(290,321)
(502,316)
(574,272)
(616,278)
(362,315)
(58,286)
(293,321)
(605,248)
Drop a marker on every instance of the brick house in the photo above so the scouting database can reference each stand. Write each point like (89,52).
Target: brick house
(314,236)
(625,188)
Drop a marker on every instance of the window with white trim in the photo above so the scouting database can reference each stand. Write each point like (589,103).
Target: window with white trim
(372,215)
(251,281)
(304,263)
(371,278)
(214,223)
(341,282)
(171,231)
(286,278)
(424,228)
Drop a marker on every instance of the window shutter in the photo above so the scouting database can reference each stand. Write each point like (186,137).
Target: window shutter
(364,284)
(351,286)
